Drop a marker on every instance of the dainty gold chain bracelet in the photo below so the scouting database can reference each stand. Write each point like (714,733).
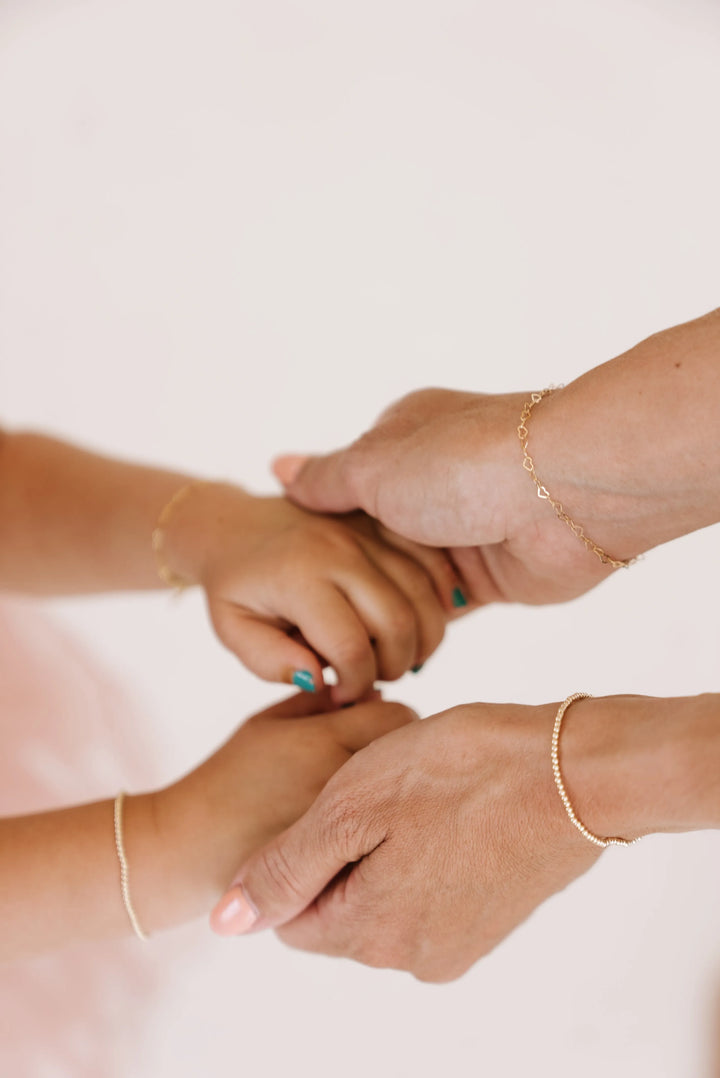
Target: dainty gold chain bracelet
(124,871)
(595,839)
(544,493)
(166,574)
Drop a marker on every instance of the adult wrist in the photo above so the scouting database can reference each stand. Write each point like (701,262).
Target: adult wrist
(629,447)
(635,765)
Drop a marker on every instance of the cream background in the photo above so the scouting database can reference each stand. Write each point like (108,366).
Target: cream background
(228,229)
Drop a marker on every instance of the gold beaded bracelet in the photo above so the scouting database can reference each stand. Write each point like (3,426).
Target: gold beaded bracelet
(124,871)
(166,574)
(543,492)
(595,839)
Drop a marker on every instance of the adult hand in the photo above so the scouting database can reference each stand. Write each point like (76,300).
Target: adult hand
(444,468)
(435,841)
(265,776)
(629,449)
(424,850)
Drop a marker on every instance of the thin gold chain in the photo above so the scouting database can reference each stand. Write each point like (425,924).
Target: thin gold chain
(544,493)
(166,574)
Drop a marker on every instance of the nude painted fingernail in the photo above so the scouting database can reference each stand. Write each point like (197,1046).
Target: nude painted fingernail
(288,468)
(234,914)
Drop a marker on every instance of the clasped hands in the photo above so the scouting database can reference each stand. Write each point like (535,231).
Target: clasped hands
(435,839)
(415,845)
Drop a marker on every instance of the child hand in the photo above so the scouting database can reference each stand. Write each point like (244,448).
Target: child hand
(261,780)
(290,591)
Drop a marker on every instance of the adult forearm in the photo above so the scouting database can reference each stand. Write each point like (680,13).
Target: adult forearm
(75,521)
(631,447)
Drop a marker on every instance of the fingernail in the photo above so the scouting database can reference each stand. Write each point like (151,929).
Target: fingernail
(234,914)
(416,669)
(304,680)
(458,598)
(288,468)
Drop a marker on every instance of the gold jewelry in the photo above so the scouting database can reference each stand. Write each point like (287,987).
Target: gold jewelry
(124,873)
(543,492)
(603,842)
(173,580)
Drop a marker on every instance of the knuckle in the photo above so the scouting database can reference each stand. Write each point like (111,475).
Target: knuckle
(335,538)
(311,542)
(433,631)
(398,714)
(374,954)
(361,469)
(231,630)
(400,623)
(278,875)
(405,406)
(431,976)
(388,950)
(373,941)
(460,723)
(422,588)
(438,970)
(220,614)
(351,650)
(288,934)
(343,821)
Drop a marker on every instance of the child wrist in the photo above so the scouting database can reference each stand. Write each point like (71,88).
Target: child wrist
(189,525)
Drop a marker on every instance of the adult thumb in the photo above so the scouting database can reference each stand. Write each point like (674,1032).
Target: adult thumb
(287,875)
(327,484)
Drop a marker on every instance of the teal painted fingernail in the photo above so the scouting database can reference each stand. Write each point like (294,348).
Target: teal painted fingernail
(416,669)
(304,680)
(458,598)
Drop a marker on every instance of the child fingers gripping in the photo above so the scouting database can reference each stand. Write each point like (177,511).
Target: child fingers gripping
(290,591)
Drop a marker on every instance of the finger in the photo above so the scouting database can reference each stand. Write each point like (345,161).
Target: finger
(473,565)
(305,705)
(448,581)
(350,917)
(388,617)
(355,917)
(418,588)
(265,648)
(299,705)
(333,628)
(288,874)
(328,926)
(288,467)
(326,484)
(356,726)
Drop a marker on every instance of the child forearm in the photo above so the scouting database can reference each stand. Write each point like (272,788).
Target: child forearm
(75,521)
(60,876)
(60,871)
